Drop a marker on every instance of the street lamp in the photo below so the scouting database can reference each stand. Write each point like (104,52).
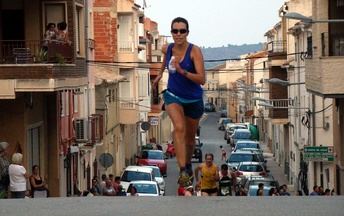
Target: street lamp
(282,82)
(297,16)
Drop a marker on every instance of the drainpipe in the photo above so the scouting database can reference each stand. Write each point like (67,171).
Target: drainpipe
(314,137)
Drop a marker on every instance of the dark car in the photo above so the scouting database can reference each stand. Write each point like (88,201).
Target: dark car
(198,150)
(209,107)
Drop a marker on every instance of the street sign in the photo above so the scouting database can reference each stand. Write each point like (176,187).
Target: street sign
(154,121)
(318,153)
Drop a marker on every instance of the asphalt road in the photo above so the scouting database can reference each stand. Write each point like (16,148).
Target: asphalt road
(211,138)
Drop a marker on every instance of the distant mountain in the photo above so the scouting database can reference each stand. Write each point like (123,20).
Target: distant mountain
(227,52)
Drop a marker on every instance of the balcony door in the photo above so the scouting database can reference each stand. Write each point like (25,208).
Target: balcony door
(53,12)
(34,140)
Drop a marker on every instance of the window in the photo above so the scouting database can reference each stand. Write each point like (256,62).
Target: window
(76,103)
(53,13)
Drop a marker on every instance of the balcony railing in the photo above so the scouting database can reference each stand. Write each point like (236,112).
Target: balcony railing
(126,46)
(332,44)
(34,51)
(279,46)
(282,102)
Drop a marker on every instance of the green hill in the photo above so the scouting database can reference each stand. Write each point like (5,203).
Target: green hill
(227,52)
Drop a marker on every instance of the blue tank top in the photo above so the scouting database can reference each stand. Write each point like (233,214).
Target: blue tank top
(178,84)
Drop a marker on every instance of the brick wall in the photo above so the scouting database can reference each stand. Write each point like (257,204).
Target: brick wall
(105,33)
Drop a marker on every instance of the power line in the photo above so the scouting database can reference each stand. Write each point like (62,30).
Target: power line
(304,54)
(231,70)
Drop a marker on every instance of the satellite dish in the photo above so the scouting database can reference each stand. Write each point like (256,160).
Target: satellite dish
(106,160)
(145,126)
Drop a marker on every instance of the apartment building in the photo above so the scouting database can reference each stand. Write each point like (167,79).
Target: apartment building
(44,90)
(324,80)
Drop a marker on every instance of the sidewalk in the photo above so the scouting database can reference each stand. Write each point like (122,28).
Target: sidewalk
(275,170)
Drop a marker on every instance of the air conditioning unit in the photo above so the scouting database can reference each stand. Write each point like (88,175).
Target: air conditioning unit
(81,129)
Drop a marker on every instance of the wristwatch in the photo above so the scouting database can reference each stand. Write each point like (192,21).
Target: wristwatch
(185,72)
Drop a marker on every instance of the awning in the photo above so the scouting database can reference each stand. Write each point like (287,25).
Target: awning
(105,73)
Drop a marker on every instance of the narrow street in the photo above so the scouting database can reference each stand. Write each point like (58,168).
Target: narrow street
(211,138)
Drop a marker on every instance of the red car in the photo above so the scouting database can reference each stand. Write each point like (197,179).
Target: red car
(153,158)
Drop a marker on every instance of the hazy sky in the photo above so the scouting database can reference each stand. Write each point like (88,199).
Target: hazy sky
(215,23)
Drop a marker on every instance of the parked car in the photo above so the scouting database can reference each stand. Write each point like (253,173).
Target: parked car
(255,180)
(259,154)
(222,122)
(136,173)
(144,188)
(230,128)
(159,179)
(247,169)
(153,158)
(239,134)
(237,157)
(247,144)
(209,107)
(223,113)
(198,150)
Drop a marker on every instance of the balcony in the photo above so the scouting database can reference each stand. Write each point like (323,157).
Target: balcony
(127,53)
(129,113)
(324,75)
(277,47)
(33,51)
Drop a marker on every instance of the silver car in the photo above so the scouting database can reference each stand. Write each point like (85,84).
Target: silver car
(247,169)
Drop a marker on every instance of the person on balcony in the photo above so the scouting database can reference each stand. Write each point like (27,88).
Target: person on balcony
(62,34)
(49,35)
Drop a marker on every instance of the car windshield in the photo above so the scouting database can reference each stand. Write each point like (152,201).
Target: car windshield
(156,172)
(242,135)
(129,176)
(251,168)
(145,188)
(243,157)
(266,182)
(247,145)
(253,191)
(155,155)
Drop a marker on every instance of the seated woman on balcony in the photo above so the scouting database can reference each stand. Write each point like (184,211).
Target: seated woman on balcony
(49,35)
(62,34)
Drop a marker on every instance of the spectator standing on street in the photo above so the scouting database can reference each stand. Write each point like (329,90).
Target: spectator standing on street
(315,191)
(109,190)
(241,192)
(321,191)
(4,164)
(327,192)
(183,97)
(103,183)
(260,191)
(223,153)
(38,185)
(225,182)
(284,190)
(209,176)
(18,177)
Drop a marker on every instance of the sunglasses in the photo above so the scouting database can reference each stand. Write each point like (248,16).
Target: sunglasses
(181,31)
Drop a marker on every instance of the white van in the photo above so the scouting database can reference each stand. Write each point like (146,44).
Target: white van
(136,173)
